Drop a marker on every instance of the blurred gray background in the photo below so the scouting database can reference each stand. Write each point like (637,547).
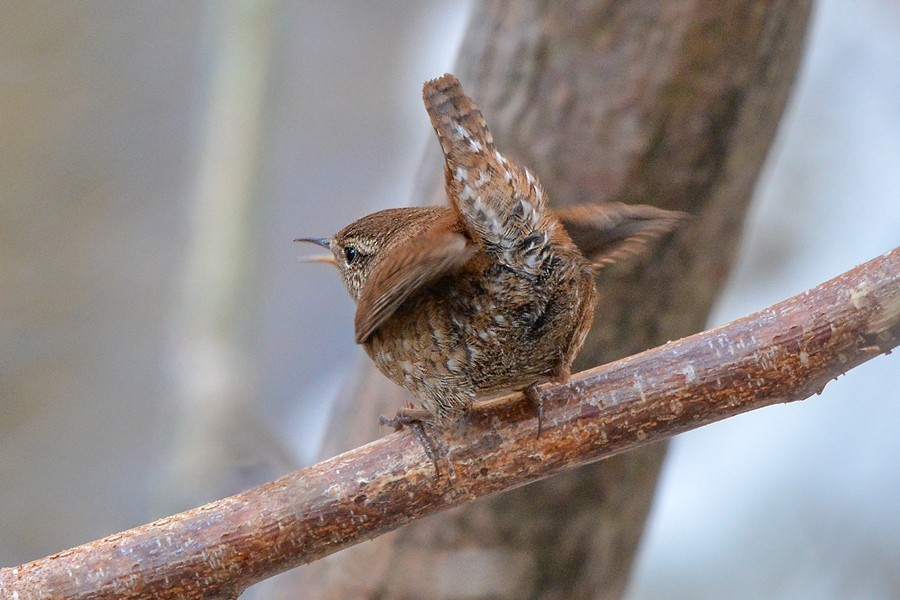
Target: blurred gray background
(161,347)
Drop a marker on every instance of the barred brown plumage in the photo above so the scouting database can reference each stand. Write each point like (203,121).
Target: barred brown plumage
(487,295)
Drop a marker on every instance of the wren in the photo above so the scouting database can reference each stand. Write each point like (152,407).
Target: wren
(491,294)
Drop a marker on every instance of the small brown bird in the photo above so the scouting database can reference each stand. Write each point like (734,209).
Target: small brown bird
(491,294)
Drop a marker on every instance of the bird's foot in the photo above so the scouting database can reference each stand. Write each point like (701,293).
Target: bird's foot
(417,420)
(537,401)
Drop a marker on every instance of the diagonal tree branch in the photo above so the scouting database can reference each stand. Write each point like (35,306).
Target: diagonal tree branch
(784,353)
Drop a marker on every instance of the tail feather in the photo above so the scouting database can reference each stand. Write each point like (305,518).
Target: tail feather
(501,204)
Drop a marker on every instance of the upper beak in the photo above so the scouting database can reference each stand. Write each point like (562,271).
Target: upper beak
(324,242)
(324,258)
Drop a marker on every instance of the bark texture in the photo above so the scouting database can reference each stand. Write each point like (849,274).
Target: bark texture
(784,353)
(673,104)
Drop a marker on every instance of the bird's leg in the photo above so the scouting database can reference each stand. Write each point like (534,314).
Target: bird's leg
(416,419)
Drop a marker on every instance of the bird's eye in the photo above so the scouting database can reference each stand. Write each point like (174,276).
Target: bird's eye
(350,253)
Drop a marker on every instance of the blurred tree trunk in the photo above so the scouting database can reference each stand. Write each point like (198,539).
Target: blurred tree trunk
(674,104)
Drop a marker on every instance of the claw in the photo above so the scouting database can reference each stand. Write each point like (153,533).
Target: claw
(416,420)
(534,396)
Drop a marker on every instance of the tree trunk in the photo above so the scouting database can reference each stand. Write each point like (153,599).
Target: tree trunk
(673,104)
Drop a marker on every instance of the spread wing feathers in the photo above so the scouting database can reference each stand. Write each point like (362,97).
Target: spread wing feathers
(502,206)
(613,232)
(417,263)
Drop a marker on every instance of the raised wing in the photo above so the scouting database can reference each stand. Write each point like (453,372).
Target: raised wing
(613,232)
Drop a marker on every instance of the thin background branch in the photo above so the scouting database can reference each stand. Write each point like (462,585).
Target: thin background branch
(784,353)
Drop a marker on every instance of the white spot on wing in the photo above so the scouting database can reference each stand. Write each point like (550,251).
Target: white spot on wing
(483,178)
(461,132)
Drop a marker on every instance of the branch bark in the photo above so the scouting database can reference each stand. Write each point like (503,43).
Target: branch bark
(784,353)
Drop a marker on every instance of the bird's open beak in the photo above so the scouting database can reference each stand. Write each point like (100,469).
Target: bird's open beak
(319,258)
